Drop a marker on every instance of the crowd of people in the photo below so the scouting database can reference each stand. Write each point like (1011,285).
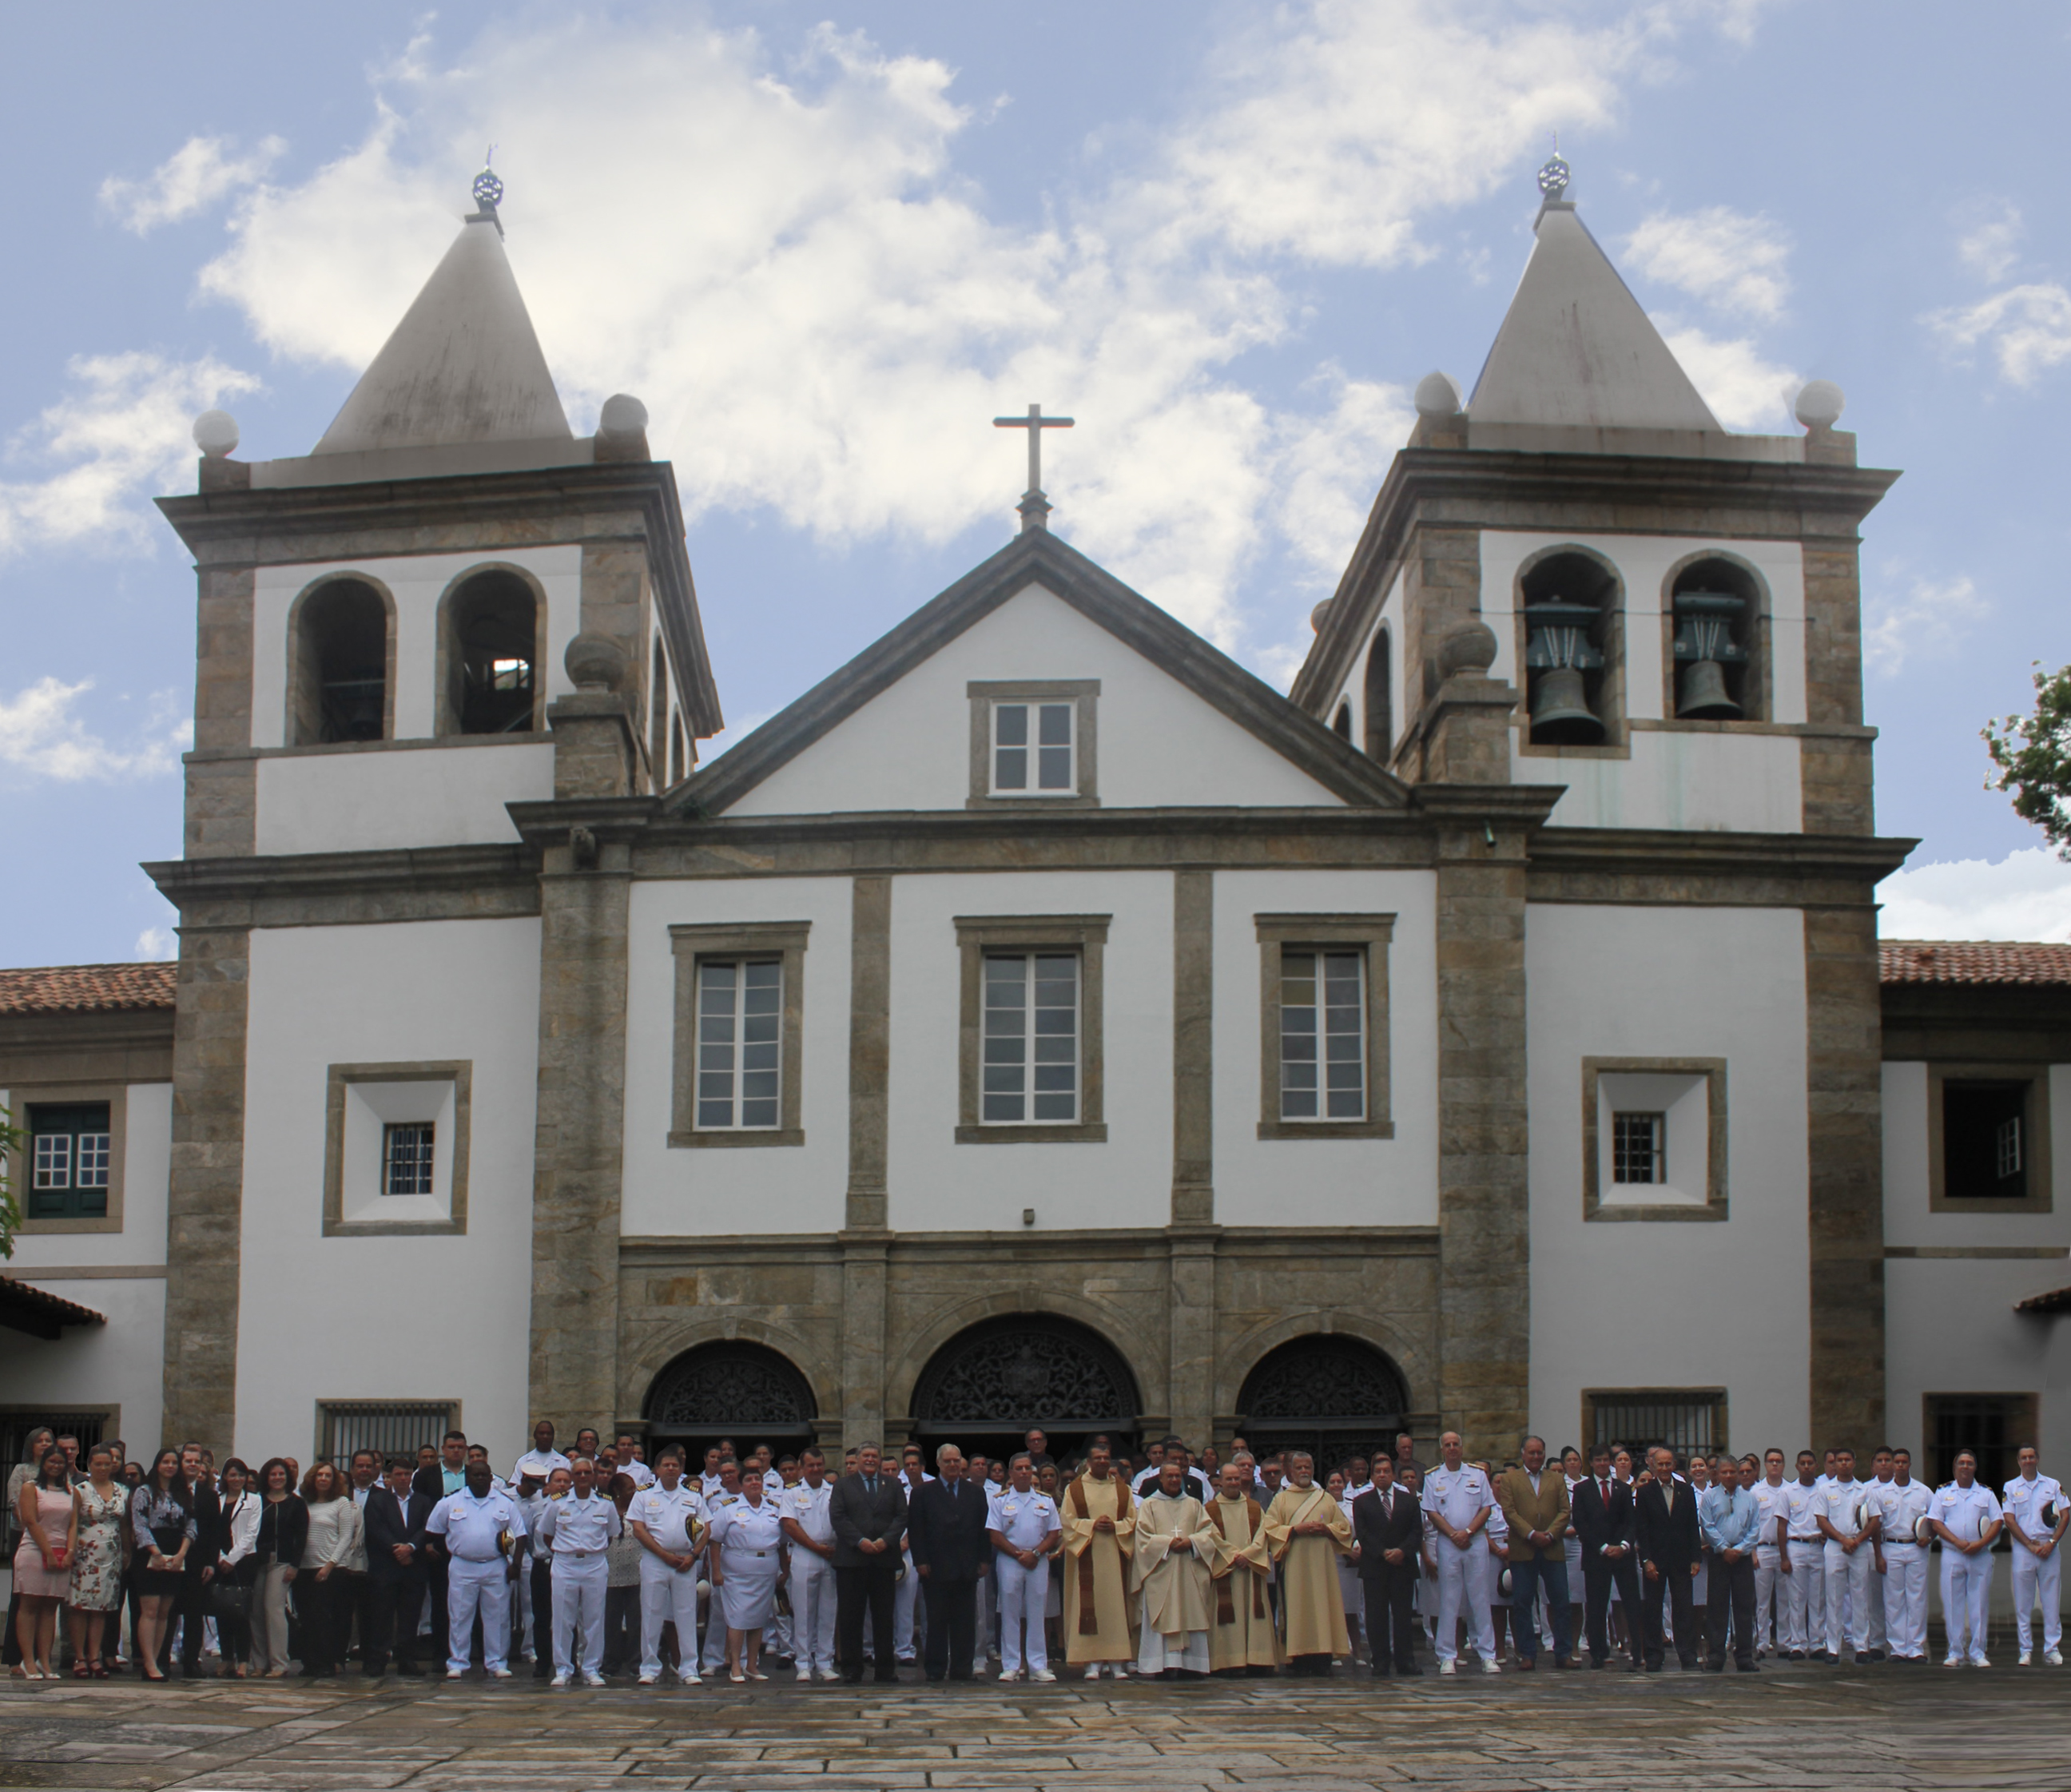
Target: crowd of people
(594,1562)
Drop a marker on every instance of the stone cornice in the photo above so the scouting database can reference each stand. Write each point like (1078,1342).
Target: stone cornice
(330,888)
(1655,865)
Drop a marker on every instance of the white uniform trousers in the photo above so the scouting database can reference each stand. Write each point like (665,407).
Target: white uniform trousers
(1024,1596)
(1875,1630)
(524,1608)
(1805,1603)
(713,1655)
(1966,1592)
(667,1597)
(579,1582)
(812,1586)
(903,1596)
(473,1587)
(1769,1597)
(1466,1587)
(1906,1600)
(1847,1579)
(2034,1578)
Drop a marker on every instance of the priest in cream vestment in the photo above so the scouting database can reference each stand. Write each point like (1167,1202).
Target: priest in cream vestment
(1307,1531)
(1241,1639)
(1099,1523)
(1171,1576)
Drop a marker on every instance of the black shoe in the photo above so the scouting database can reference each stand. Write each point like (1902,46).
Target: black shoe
(1747,1667)
(1596,1661)
(409,1670)
(888,1680)
(1654,1667)
(1715,1667)
(1798,1654)
(1409,1673)
(1871,1654)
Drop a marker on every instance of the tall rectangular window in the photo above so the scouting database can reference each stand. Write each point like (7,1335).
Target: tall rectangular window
(1323,1034)
(1636,1155)
(71,1156)
(1992,1427)
(1030,1055)
(1032,749)
(406,1158)
(740,1015)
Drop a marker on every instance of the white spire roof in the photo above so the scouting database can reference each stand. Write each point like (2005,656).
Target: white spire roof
(1575,351)
(463,366)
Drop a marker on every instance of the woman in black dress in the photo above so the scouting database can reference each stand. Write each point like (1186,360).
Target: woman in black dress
(161,1523)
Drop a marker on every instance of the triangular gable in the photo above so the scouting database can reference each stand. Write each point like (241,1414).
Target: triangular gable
(1039,557)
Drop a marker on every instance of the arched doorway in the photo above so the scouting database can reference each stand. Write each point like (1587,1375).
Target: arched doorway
(986,1387)
(1331,1396)
(732,1389)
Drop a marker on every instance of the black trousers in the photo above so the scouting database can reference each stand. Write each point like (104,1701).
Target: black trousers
(435,1584)
(952,1627)
(388,1621)
(1674,1586)
(193,1612)
(542,1614)
(326,1614)
(1391,1629)
(869,1587)
(1731,1597)
(1599,1576)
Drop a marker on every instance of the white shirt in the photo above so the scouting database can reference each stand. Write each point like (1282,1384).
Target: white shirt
(472,1526)
(244,1526)
(743,1529)
(579,1527)
(538,1463)
(1025,1520)
(1458,1495)
(1965,1511)
(1900,1509)
(807,1506)
(1771,1503)
(638,1472)
(669,1517)
(1801,1504)
(1836,1504)
(708,1484)
(2025,1500)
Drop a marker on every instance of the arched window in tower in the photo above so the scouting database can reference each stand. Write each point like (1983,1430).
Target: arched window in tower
(1718,622)
(1379,701)
(658,715)
(1572,612)
(337,681)
(677,755)
(1343,722)
(489,654)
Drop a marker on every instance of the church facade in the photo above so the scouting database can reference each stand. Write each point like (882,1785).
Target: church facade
(1041,1019)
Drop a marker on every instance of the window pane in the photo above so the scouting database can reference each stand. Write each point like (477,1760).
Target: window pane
(1011,724)
(1636,1155)
(1055,725)
(53,1160)
(1053,758)
(91,1168)
(1322,1014)
(407,1160)
(1017,1029)
(740,1038)
(1010,739)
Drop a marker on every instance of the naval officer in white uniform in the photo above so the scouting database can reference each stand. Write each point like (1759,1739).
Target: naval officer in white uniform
(749,1538)
(667,1520)
(1026,1530)
(580,1525)
(1901,1503)
(2033,1504)
(480,1525)
(1966,1517)
(1458,1502)
(809,1535)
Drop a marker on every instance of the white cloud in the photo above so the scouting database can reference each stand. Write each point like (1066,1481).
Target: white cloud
(2025,896)
(1723,257)
(1989,247)
(121,433)
(159,943)
(1745,389)
(41,734)
(1929,617)
(195,176)
(2027,329)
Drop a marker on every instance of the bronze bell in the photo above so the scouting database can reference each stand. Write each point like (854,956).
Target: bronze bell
(1704,646)
(1560,713)
(1557,651)
(1705,696)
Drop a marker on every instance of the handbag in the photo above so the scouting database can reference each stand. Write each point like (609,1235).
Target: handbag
(231,1598)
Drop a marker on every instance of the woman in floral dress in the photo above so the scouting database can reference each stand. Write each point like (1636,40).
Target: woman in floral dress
(95,1596)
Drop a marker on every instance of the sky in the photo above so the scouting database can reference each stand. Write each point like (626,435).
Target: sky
(826,244)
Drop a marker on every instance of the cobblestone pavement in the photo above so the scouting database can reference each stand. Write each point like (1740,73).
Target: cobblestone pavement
(1876,1726)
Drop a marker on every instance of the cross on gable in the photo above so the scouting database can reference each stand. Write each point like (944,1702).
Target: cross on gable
(1034,506)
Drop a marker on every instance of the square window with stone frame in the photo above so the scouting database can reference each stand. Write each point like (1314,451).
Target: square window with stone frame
(740,1074)
(1030,1051)
(1983,1154)
(70,1153)
(1034,747)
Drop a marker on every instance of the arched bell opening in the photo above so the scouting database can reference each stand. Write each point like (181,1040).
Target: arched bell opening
(988,1385)
(1343,721)
(338,664)
(1716,617)
(1571,607)
(1335,1396)
(1380,700)
(734,1390)
(488,642)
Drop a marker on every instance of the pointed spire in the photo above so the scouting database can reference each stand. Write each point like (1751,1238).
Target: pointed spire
(1575,350)
(463,365)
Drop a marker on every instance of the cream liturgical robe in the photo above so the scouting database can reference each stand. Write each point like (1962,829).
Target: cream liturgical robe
(1173,1583)
(1314,1609)
(1097,1626)
(1241,1635)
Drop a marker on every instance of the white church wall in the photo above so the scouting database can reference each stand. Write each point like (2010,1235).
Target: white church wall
(1326,1181)
(937,1184)
(443,796)
(120,1364)
(395,1317)
(909,749)
(680,1192)
(1740,782)
(1647,1304)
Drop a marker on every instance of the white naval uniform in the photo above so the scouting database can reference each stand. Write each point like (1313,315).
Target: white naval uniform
(713,1656)
(2036,1577)
(1848,1575)
(1769,1597)
(1804,1598)
(1900,1508)
(1025,1520)
(668,1595)
(478,1573)
(1967,1581)
(907,1592)
(531,1505)
(1466,1582)
(539,1463)
(580,1531)
(750,1539)
(812,1578)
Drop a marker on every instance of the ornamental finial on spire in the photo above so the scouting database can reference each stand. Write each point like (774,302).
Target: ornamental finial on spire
(1553,177)
(488,193)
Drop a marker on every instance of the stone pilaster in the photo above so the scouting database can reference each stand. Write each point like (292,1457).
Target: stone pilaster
(1845,1187)
(1193,1062)
(204,1221)
(222,790)
(577,1149)
(865,1241)
(1835,773)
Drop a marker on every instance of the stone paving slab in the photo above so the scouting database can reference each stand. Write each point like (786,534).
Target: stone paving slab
(1885,1729)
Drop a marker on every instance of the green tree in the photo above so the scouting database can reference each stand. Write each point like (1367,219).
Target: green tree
(10,1214)
(2032,754)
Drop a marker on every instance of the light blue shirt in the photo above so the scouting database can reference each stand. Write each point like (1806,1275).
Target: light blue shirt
(1730,1520)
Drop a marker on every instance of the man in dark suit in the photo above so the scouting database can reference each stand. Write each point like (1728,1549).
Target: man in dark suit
(201,1562)
(1387,1525)
(868,1510)
(947,1530)
(394,1515)
(1666,1527)
(1602,1510)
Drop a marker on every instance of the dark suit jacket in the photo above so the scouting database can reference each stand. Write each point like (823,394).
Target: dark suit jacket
(1668,1539)
(208,1523)
(389,1524)
(1593,1526)
(854,1516)
(946,1531)
(1374,1531)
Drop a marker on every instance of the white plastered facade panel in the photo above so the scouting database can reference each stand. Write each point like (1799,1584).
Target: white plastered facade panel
(1671,983)
(366,802)
(1159,745)
(404,992)
(120,1364)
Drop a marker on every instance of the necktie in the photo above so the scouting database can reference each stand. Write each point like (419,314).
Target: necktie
(1604,1493)
(1387,1504)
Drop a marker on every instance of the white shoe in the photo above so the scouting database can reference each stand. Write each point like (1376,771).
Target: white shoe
(456,1673)
(649,1679)
(2055,1657)
(692,1679)
(1117,1670)
(1489,1666)
(1092,1673)
(499,1673)
(805,1673)
(593,1679)
(2026,1659)
(829,1674)
(562,1679)
(1041,1674)
(1979,1661)
(1449,1667)
(1954,1661)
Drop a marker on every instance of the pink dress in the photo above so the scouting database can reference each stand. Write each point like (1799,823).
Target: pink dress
(34,1578)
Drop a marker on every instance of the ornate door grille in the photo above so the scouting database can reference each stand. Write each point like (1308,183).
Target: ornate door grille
(1022,1370)
(1332,1396)
(731,1387)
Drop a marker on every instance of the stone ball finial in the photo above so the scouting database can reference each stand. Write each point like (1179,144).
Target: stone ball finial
(1438,396)
(622,417)
(215,433)
(1471,648)
(1319,616)
(1820,403)
(596,662)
